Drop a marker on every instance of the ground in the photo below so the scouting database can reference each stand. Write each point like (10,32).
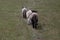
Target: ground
(14,27)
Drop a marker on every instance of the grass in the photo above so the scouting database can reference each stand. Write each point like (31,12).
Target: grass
(13,26)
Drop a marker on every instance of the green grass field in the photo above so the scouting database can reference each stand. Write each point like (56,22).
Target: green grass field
(14,27)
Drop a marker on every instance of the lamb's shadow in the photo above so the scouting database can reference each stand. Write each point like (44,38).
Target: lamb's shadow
(40,26)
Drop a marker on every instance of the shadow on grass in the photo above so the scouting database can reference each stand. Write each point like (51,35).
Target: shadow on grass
(40,26)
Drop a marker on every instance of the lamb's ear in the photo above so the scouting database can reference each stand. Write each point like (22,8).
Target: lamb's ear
(34,11)
(22,6)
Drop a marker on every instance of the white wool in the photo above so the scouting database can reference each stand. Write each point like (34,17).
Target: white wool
(23,9)
(29,19)
(29,12)
(32,15)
